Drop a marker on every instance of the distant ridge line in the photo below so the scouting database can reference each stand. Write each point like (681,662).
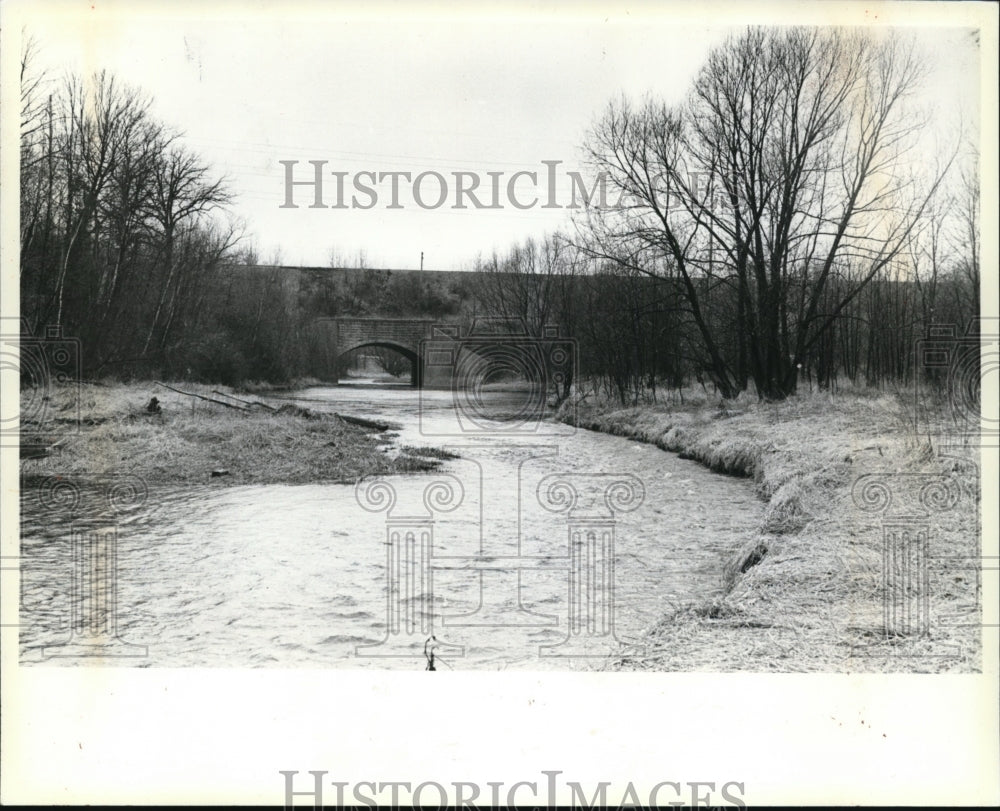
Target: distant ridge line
(323,269)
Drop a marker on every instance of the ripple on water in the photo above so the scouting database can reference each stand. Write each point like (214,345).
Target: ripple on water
(256,575)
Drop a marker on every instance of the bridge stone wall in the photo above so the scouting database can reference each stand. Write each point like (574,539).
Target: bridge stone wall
(339,335)
(404,332)
(437,351)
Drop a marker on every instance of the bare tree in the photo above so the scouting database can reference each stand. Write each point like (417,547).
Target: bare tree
(118,236)
(102,122)
(965,240)
(532,287)
(183,192)
(793,163)
(36,145)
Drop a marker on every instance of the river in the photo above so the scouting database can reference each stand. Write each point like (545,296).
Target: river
(541,547)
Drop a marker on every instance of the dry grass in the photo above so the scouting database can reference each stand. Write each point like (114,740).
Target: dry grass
(804,590)
(189,439)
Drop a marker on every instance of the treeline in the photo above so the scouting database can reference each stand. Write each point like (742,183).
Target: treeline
(636,338)
(127,245)
(784,225)
(119,237)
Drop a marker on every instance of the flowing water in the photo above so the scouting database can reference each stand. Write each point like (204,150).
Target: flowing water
(540,547)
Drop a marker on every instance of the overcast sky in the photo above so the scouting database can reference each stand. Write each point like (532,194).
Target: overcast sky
(385,92)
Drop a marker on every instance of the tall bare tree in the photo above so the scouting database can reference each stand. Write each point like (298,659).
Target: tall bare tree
(183,191)
(966,237)
(794,162)
(118,232)
(532,287)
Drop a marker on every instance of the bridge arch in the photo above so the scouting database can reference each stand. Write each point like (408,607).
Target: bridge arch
(332,337)
(410,353)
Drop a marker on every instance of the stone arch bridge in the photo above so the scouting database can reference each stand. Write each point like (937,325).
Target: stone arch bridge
(403,335)
(439,354)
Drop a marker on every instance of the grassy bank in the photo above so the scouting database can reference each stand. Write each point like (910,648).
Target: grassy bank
(191,439)
(804,590)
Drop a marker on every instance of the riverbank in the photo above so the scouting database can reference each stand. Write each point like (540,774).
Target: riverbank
(229,438)
(804,591)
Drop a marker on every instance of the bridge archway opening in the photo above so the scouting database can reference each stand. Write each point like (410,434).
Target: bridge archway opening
(385,355)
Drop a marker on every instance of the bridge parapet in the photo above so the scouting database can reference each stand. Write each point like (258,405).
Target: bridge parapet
(405,332)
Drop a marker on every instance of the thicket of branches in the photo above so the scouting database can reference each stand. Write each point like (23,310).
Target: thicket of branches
(784,224)
(127,245)
(118,238)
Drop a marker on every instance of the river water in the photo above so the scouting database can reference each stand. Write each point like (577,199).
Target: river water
(541,547)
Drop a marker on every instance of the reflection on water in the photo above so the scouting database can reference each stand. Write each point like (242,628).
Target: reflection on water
(523,543)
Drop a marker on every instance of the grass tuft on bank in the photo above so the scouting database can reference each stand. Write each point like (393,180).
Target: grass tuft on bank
(804,591)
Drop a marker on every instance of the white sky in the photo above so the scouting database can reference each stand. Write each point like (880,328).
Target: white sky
(400,89)
(489,96)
